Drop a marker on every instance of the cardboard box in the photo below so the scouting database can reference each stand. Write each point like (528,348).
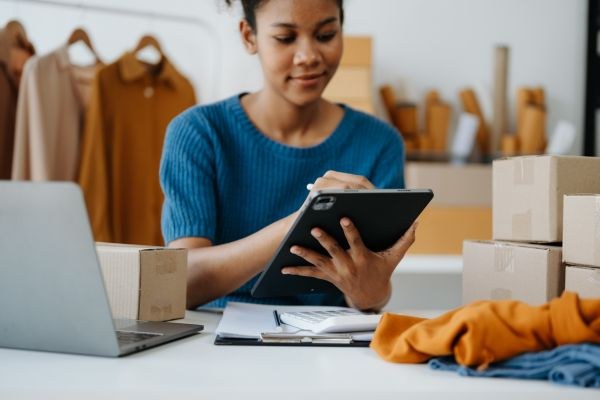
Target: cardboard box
(495,270)
(581,229)
(453,185)
(442,230)
(145,283)
(584,281)
(528,194)
(357,51)
(350,83)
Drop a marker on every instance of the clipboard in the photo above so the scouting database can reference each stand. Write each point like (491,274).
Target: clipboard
(246,324)
(258,342)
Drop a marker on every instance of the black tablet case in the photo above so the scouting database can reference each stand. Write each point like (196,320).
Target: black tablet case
(381,216)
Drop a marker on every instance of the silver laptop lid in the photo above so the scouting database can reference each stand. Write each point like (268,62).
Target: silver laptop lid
(52,293)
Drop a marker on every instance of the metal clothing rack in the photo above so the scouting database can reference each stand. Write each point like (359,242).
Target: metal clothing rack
(116,10)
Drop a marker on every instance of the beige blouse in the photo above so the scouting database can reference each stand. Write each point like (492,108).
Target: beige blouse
(50,117)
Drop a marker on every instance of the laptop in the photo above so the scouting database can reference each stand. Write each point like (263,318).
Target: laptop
(52,295)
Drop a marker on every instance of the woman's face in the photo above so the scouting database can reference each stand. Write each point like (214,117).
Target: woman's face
(299,44)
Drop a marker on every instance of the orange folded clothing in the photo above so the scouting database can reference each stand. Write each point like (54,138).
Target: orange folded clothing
(487,331)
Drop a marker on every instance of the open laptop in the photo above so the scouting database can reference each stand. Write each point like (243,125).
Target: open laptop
(52,294)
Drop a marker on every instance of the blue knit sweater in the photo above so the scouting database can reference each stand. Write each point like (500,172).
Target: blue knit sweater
(223,179)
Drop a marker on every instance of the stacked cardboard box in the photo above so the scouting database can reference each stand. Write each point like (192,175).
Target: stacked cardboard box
(145,283)
(352,83)
(524,260)
(581,244)
(460,209)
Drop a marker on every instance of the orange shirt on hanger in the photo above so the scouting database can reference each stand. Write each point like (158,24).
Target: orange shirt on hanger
(130,108)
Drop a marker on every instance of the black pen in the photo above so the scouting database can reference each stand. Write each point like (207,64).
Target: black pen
(277,320)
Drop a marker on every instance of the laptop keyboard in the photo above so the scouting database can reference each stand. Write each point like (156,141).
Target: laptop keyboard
(126,337)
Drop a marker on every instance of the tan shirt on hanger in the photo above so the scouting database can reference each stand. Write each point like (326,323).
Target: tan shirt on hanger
(14,52)
(50,114)
(130,108)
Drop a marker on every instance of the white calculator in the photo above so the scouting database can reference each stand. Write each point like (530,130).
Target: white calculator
(331,321)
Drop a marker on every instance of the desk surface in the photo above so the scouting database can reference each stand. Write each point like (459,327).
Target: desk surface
(194,366)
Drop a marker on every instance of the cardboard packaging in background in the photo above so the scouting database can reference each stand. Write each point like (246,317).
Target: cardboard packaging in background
(352,83)
(495,270)
(528,194)
(584,281)
(460,209)
(581,229)
(142,282)
(468,185)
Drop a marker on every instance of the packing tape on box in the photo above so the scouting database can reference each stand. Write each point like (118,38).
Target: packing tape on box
(504,258)
(500,294)
(521,224)
(524,172)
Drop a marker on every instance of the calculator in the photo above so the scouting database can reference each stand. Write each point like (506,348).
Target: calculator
(331,321)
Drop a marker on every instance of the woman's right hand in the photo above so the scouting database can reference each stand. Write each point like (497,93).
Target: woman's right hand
(341,180)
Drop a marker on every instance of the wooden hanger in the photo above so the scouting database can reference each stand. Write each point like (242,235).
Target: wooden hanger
(146,41)
(79,34)
(17,35)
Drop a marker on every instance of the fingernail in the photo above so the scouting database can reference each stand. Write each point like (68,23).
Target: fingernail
(294,250)
(345,222)
(285,271)
(316,233)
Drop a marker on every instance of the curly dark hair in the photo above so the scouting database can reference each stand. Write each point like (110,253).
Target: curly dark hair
(250,7)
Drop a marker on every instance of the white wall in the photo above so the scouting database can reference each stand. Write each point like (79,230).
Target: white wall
(418,44)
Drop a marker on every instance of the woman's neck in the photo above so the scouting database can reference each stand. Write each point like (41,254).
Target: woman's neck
(290,124)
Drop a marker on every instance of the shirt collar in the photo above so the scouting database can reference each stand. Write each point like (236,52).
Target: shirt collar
(132,69)
(62,55)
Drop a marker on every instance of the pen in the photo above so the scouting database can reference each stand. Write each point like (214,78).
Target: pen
(277,320)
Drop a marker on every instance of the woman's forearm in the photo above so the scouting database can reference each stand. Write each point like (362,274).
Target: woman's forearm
(215,271)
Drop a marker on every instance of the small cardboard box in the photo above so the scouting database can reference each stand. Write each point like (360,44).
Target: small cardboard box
(581,229)
(584,281)
(495,270)
(357,51)
(453,185)
(528,194)
(442,229)
(142,282)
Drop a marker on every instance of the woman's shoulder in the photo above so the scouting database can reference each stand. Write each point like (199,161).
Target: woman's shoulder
(371,126)
(200,114)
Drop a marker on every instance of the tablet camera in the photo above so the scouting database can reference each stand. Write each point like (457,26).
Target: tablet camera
(323,203)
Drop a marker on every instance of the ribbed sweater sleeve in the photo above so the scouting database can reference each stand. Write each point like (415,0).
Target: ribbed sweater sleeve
(187,173)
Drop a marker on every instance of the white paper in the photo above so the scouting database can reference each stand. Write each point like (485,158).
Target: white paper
(562,139)
(464,137)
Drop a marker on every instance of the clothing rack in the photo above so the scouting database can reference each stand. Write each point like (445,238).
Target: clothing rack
(115,10)
(185,19)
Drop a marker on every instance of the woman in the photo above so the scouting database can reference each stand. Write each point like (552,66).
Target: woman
(234,173)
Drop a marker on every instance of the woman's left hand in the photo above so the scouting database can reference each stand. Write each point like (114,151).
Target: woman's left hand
(362,275)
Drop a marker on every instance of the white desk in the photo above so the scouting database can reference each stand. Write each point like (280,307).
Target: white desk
(195,368)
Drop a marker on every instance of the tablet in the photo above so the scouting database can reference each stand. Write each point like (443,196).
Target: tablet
(381,216)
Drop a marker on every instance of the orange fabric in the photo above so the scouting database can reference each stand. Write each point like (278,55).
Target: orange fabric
(488,331)
(130,107)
